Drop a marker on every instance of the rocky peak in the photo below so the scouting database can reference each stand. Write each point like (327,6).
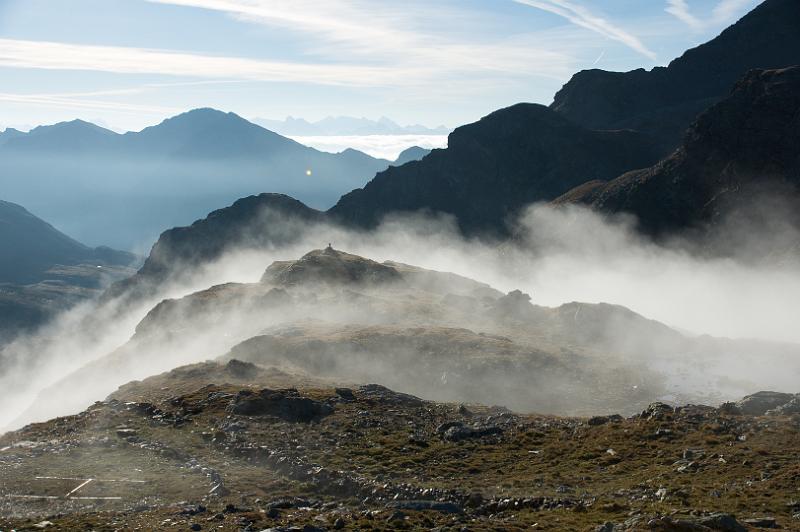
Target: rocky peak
(329,266)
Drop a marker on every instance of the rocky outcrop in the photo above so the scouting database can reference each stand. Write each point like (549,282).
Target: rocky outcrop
(760,403)
(329,266)
(288,405)
(743,146)
(663,102)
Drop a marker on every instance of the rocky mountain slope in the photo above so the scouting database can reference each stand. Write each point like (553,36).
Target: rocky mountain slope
(663,102)
(238,446)
(492,168)
(743,147)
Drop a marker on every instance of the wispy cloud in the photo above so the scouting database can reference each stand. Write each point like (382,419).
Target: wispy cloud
(724,12)
(728,10)
(680,10)
(80,102)
(98,100)
(129,60)
(396,34)
(581,16)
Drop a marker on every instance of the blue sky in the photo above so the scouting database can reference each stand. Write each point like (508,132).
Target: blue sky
(128,64)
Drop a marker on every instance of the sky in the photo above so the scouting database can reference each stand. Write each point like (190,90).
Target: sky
(128,64)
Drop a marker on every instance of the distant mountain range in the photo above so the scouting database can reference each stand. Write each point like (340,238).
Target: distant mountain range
(124,189)
(346,125)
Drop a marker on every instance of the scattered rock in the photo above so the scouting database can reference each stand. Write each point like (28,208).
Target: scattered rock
(721,521)
(418,506)
(761,522)
(284,504)
(459,433)
(792,407)
(376,392)
(602,420)
(346,394)
(285,404)
(730,409)
(657,411)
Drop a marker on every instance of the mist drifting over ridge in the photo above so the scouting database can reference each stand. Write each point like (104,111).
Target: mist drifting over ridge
(561,255)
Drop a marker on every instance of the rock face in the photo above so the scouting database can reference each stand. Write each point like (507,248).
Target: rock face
(494,167)
(742,146)
(664,101)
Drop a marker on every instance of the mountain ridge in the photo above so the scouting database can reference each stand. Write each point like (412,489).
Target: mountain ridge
(664,101)
(493,167)
(741,147)
(140,183)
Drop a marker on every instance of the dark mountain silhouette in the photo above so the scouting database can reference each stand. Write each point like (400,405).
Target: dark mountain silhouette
(241,224)
(126,189)
(493,167)
(31,247)
(414,153)
(663,102)
(740,149)
(252,222)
